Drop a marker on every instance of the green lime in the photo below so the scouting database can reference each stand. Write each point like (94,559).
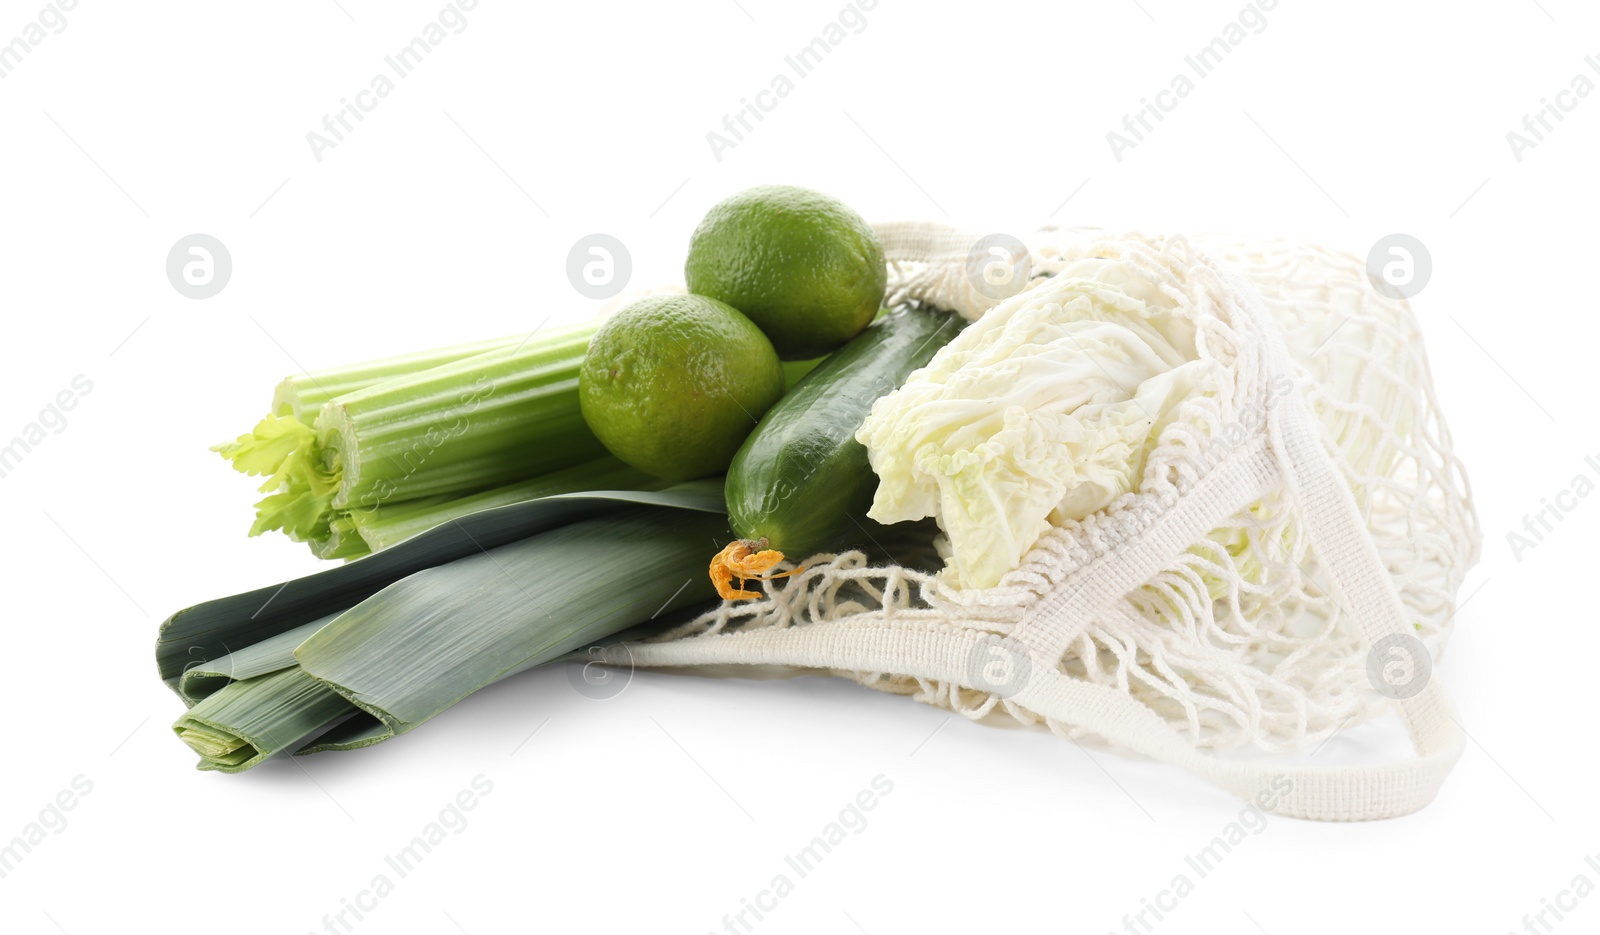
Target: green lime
(802,265)
(672,384)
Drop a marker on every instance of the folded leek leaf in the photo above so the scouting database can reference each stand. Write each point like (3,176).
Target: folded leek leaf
(270,655)
(246,722)
(357,532)
(426,642)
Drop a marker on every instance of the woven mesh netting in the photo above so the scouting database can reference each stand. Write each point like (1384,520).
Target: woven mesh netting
(1238,642)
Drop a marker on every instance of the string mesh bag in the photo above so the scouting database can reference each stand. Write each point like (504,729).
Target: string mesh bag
(1286,566)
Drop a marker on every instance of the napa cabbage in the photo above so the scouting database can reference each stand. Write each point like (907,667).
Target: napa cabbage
(1040,412)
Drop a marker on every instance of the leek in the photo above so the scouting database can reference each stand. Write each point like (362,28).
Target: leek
(360,653)
(391,524)
(508,609)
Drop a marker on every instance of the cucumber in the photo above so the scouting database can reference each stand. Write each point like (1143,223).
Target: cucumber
(802,481)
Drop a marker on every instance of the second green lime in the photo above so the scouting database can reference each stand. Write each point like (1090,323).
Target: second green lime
(672,384)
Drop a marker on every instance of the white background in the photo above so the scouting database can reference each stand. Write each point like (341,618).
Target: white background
(447,215)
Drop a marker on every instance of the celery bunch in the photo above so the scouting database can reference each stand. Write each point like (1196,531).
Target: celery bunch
(355,457)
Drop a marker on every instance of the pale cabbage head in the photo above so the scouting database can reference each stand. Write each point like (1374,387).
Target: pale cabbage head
(1041,411)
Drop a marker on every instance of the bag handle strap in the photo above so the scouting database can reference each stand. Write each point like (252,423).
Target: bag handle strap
(953,653)
(1339,535)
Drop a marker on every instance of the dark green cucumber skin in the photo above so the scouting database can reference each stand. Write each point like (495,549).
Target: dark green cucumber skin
(801,480)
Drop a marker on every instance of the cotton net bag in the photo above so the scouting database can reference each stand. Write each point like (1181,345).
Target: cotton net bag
(1285,564)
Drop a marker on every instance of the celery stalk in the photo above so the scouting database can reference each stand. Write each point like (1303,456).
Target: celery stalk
(299,399)
(486,420)
(499,417)
(793,370)
(302,396)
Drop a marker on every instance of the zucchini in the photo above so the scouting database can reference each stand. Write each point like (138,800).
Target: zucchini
(801,481)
